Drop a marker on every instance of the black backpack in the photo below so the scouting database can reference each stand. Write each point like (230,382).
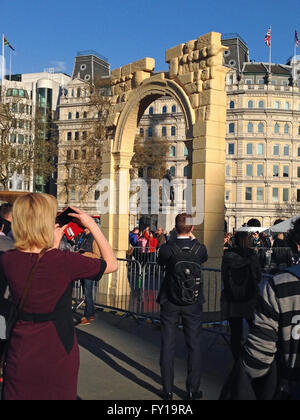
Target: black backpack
(185,275)
(241,282)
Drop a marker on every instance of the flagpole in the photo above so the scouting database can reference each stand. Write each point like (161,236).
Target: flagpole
(10,65)
(3,67)
(270,52)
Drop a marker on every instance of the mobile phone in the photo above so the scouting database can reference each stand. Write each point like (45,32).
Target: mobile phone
(73,227)
(63,218)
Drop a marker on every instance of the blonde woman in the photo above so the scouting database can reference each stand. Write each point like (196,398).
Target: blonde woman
(43,356)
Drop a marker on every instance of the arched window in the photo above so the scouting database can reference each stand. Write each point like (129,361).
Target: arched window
(250,127)
(173,151)
(164,109)
(261,104)
(173,131)
(174,108)
(151,110)
(276,128)
(250,104)
(260,127)
(286,128)
(231,105)
(72,173)
(164,131)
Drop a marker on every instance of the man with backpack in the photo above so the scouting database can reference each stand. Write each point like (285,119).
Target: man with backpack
(181,295)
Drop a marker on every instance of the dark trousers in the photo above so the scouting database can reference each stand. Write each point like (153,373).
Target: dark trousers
(191,321)
(237,335)
(89,301)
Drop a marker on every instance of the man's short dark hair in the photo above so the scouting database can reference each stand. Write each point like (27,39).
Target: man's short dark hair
(5,210)
(180,223)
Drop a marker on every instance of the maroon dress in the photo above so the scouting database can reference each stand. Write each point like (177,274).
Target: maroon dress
(43,354)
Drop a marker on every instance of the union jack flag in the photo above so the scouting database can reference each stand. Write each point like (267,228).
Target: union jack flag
(268,38)
(297,39)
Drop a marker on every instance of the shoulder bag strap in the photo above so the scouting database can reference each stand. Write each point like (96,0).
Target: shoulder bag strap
(29,280)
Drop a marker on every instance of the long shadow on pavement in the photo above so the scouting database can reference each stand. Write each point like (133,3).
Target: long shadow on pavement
(99,348)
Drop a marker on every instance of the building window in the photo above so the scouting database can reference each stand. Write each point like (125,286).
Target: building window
(186,151)
(250,127)
(249,170)
(275,170)
(173,151)
(174,109)
(151,110)
(299,130)
(231,105)
(173,131)
(285,194)
(69,135)
(172,170)
(76,135)
(259,194)
(260,170)
(286,129)
(76,155)
(69,115)
(185,171)
(260,149)
(68,154)
(286,170)
(164,131)
(20,138)
(72,193)
(275,195)
(248,194)
(276,128)
(250,104)
(85,114)
(13,138)
(249,149)
(231,128)
(298,196)
(83,155)
(164,109)
(227,195)
(298,151)
(150,132)
(141,131)
(286,150)
(286,106)
(84,135)
(276,150)
(261,128)
(261,104)
(231,148)
(277,105)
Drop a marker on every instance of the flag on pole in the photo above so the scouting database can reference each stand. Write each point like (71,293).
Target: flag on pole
(296,39)
(7,44)
(268,38)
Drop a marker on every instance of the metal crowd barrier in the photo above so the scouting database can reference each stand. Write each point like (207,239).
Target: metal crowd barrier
(138,288)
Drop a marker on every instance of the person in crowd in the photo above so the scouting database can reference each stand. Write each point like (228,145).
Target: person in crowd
(275,333)
(227,242)
(171,312)
(265,240)
(280,241)
(241,274)
(160,236)
(6,243)
(152,246)
(6,218)
(42,359)
(255,243)
(88,248)
(134,237)
(142,247)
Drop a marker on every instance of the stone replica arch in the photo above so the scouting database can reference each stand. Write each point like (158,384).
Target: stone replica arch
(196,80)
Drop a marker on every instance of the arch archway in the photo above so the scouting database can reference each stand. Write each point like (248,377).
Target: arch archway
(196,81)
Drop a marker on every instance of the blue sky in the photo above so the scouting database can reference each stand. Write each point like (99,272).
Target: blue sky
(49,33)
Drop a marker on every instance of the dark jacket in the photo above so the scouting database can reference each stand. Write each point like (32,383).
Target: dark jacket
(237,258)
(6,243)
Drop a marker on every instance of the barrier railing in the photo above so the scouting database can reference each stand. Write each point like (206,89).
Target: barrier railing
(138,288)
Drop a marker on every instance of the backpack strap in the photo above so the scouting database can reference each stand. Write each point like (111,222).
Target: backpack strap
(175,248)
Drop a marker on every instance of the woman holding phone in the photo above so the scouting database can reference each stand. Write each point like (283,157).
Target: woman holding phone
(42,360)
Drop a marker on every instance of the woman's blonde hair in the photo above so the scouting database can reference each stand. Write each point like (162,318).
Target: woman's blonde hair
(33,221)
